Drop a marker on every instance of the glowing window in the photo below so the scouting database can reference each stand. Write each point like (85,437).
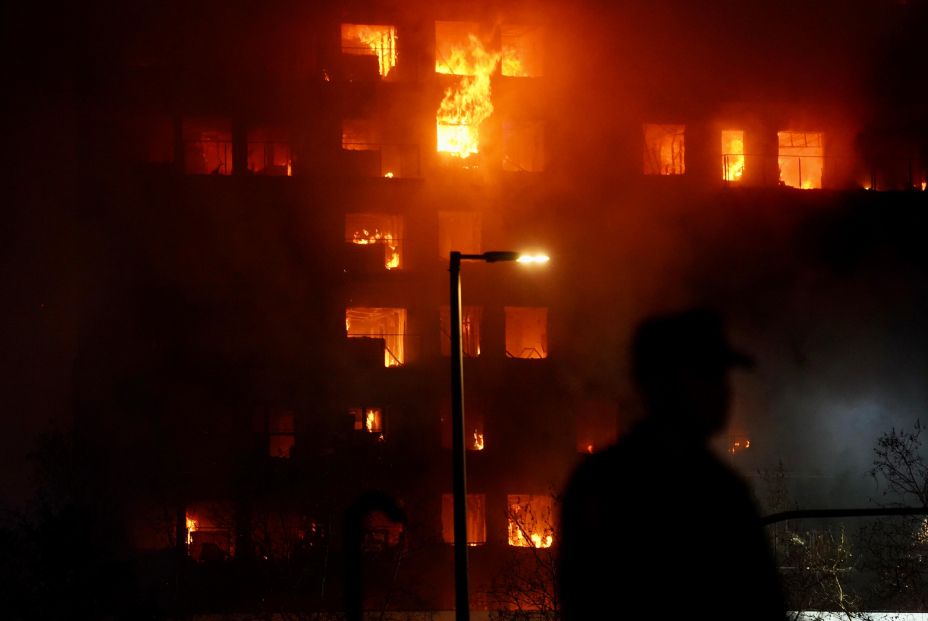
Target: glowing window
(526,332)
(367,419)
(269,153)
(523,146)
(360,135)
(663,149)
(467,103)
(209,531)
(470,330)
(281,433)
(597,425)
(801,159)
(732,155)
(371,40)
(458,230)
(474,438)
(207,147)
(523,53)
(476,519)
(386,324)
(377,230)
(531,520)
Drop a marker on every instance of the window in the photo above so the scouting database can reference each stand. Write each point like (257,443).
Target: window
(378,236)
(732,155)
(522,51)
(474,435)
(526,332)
(458,230)
(209,531)
(523,146)
(281,433)
(360,135)
(269,153)
(207,147)
(531,520)
(367,419)
(467,103)
(597,425)
(663,149)
(374,41)
(385,324)
(476,519)
(801,159)
(470,330)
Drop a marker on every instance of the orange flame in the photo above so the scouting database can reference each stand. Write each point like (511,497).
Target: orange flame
(380,39)
(732,155)
(191,526)
(478,441)
(392,255)
(468,104)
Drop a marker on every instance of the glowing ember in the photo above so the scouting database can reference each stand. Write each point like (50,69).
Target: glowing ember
(739,444)
(468,104)
(379,41)
(732,155)
(478,441)
(589,449)
(389,174)
(391,252)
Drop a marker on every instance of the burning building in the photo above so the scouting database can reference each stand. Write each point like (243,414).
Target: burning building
(282,190)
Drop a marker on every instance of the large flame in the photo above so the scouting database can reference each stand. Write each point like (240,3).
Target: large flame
(478,441)
(391,247)
(732,155)
(380,39)
(529,522)
(468,104)
(512,63)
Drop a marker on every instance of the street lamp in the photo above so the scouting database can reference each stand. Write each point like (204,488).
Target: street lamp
(458,449)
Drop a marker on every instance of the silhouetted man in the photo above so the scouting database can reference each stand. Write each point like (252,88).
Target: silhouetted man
(657,526)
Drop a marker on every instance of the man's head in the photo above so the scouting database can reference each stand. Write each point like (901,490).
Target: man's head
(680,363)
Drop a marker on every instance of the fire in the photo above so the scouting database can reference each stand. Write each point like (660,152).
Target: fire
(739,444)
(732,155)
(801,159)
(369,420)
(391,252)
(512,63)
(380,39)
(468,104)
(478,441)
(530,523)
(589,449)
(191,526)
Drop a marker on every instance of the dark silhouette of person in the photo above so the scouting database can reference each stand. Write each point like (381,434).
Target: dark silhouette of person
(657,526)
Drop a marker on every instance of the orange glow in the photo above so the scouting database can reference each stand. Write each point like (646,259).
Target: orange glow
(523,51)
(589,449)
(478,441)
(476,512)
(526,332)
(386,324)
(801,159)
(467,104)
(732,155)
(738,444)
(664,149)
(364,237)
(530,521)
(367,419)
(366,40)
(191,526)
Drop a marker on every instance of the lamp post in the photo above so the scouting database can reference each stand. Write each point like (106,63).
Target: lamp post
(458,447)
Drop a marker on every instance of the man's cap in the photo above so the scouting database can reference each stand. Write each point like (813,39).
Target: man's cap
(693,339)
